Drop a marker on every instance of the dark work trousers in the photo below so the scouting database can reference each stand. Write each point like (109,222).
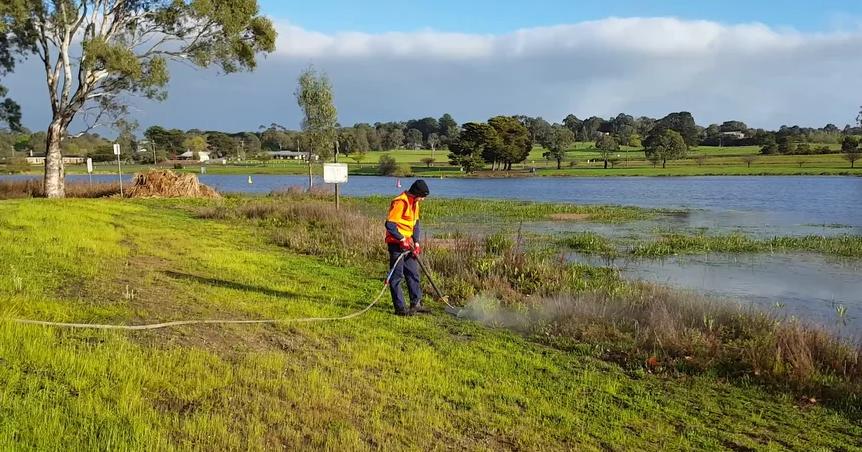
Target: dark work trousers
(408,267)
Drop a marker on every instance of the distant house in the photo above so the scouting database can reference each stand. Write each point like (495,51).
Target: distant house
(39,159)
(735,134)
(189,155)
(290,155)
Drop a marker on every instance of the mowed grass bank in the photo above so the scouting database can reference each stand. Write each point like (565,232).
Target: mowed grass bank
(376,383)
(582,160)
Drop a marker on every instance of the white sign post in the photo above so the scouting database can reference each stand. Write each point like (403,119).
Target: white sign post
(335,173)
(90,169)
(119,169)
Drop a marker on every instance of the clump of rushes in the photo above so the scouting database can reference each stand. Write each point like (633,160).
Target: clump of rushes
(843,245)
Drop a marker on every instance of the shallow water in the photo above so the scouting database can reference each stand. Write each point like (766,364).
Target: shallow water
(768,203)
(808,286)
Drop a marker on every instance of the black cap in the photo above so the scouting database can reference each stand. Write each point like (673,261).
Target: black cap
(419,189)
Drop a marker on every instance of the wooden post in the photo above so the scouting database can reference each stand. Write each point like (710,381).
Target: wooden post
(337,193)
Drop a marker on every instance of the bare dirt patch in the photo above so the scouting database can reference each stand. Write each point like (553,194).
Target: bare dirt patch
(569,216)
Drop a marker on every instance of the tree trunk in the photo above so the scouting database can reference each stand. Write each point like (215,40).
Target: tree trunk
(606,163)
(559,163)
(55,172)
(663,163)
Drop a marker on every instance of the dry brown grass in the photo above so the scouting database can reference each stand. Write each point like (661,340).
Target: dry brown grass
(32,188)
(318,191)
(684,331)
(569,216)
(167,184)
(314,227)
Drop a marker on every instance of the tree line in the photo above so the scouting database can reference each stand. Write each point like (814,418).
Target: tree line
(501,141)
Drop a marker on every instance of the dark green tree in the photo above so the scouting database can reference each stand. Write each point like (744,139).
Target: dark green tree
(574,124)
(221,145)
(733,126)
(850,150)
(682,123)
(713,130)
(784,144)
(607,146)
(664,145)
(540,129)
(623,128)
(849,143)
(447,126)
(125,48)
(557,142)
(392,140)
(425,125)
(770,147)
(472,143)
(511,145)
(413,139)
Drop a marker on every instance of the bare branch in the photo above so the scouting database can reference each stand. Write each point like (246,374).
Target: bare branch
(101,94)
(82,15)
(45,55)
(64,54)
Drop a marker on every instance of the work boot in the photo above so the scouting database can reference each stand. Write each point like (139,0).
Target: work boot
(418,308)
(405,312)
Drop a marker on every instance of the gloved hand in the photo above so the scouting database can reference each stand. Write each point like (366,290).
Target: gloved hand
(417,250)
(405,244)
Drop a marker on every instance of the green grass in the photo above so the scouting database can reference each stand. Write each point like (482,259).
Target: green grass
(671,244)
(376,383)
(490,210)
(668,244)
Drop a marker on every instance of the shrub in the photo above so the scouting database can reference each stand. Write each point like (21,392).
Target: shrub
(386,165)
(18,165)
(573,163)
(404,170)
(428,161)
(178,166)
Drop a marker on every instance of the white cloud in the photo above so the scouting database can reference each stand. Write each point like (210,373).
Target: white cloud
(763,76)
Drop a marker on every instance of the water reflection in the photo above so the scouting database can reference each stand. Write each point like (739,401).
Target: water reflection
(808,286)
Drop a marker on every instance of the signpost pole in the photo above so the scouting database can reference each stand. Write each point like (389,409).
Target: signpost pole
(335,173)
(336,184)
(90,169)
(119,168)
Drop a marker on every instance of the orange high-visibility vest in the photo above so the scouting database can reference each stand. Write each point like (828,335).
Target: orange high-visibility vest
(404,212)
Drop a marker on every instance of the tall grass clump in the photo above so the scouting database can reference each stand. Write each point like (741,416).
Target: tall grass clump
(311,226)
(845,245)
(590,242)
(297,191)
(648,326)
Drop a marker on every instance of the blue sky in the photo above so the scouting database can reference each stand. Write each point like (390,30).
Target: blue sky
(500,16)
(804,66)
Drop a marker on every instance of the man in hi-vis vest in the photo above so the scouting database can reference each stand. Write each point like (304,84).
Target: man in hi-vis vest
(402,231)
